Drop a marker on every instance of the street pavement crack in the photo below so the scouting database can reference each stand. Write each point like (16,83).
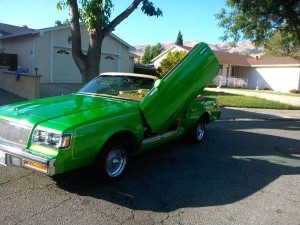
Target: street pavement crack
(46,210)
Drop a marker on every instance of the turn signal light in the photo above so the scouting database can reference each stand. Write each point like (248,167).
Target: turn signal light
(35,165)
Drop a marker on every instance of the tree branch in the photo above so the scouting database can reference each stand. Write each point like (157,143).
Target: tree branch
(123,15)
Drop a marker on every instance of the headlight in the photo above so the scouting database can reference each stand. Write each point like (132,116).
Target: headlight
(52,140)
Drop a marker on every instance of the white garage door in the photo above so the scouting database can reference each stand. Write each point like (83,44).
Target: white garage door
(108,63)
(64,67)
(66,71)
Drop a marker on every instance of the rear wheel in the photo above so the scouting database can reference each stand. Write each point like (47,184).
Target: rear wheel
(198,132)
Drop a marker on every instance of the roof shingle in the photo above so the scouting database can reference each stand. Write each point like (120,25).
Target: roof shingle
(6,29)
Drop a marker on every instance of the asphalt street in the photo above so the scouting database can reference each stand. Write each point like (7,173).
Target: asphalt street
(244,172)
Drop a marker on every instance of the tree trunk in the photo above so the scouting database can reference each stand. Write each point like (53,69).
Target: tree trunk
(92,66)
(89,65)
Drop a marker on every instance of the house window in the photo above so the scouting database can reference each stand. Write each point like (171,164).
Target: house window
(220,70)
(64,52)
(109,57)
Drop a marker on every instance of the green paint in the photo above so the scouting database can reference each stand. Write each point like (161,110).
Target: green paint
(93,119)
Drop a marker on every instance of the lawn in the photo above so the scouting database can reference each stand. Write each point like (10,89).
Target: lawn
(264,92)
(242,101)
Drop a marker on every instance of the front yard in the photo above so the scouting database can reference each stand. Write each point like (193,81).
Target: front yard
(243,101)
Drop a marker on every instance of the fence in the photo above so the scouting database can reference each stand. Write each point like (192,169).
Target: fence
(221,81)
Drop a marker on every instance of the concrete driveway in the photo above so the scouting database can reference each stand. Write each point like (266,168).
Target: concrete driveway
(244,172)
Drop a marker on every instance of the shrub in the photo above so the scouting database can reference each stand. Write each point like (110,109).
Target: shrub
(211,85)
(294,91)
(170,61)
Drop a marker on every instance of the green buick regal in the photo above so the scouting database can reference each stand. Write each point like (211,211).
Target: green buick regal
(111,118)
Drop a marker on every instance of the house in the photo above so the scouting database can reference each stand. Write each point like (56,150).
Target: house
(157,60)
(273,73)
(48,52)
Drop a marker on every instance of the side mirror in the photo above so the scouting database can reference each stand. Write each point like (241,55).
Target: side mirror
(158,83)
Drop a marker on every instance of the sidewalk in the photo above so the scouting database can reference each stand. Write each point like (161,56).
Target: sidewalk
(291,100)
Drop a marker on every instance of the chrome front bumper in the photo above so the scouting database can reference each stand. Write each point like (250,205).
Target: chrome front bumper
(11,155)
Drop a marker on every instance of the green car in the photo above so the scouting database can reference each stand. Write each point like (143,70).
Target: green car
(112,117)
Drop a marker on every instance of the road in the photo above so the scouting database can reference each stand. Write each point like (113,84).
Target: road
(244,172)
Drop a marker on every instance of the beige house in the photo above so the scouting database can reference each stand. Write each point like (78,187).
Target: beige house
(49,51)
(274,73)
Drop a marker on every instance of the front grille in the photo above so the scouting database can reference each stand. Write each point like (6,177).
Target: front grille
(14,133)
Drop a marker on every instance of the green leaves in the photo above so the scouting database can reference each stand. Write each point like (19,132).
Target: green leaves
(170,61)
(282,45)
(179,40)
(61,4)
(151,52)
(257,20)
(149,9)
(96,14)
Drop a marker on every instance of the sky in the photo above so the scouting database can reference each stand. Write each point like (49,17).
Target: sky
(194,18)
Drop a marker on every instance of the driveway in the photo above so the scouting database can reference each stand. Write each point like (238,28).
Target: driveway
(47,90)
(8,98)
(287,99)
(244,172)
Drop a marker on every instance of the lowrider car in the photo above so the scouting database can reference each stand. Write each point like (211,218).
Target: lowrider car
(112,117)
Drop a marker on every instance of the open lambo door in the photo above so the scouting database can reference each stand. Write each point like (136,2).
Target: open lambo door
(172,94)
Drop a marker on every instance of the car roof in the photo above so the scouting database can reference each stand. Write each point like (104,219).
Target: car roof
(129,74)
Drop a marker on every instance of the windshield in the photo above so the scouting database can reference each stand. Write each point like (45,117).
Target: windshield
(120,86)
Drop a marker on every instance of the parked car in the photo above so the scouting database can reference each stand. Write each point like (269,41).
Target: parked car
(112,117)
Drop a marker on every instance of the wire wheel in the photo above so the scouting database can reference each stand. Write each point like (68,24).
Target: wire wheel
(115,162)
(200,131)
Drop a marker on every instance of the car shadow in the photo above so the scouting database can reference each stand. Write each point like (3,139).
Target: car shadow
(231,164)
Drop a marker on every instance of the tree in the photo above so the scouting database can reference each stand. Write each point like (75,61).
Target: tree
(66,22)
(147,55)
(179,40)
(257,20)
(170,61)
(151,52)
(156,50)
(96,16)
(279,45)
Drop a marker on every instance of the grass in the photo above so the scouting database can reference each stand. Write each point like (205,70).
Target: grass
(242,101)
(265,92)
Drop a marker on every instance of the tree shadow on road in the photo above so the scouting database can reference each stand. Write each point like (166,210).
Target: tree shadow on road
(231,164)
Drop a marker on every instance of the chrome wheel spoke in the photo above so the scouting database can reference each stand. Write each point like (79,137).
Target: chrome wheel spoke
(200,131)
(115,162)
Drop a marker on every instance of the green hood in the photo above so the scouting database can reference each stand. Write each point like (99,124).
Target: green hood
(58,109)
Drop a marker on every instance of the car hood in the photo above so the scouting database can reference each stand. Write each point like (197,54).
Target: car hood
(37,111)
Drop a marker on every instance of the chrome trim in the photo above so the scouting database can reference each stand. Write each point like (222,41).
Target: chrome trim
(159,137)
(202,51)
(26,156)
(14,132)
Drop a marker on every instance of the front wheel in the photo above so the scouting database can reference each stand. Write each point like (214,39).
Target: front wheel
(112,161)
